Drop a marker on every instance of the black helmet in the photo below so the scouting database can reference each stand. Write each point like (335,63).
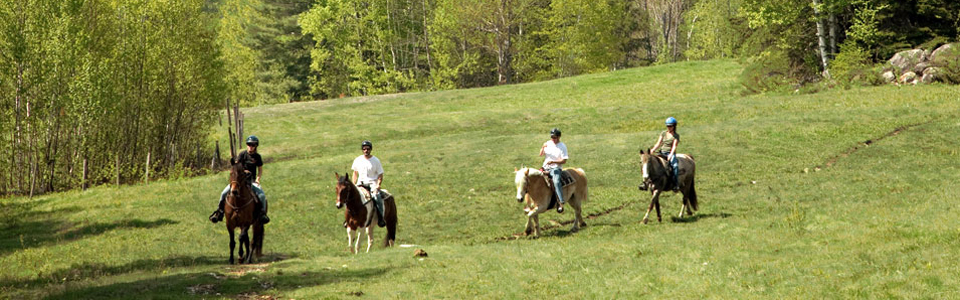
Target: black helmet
(366,144)
(253,141)
(555,132)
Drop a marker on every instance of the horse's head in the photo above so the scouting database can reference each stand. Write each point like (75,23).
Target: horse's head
(645,158)
(344,188)
(521,180)
(237,175)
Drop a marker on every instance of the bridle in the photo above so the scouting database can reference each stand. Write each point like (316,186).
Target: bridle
(235,183)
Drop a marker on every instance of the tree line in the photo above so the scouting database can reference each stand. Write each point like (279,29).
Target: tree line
(102,91)
(110,91)
(364,47)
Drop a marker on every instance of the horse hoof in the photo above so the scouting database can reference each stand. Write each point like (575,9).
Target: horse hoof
(644,221)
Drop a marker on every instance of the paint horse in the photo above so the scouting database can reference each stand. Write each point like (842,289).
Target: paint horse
(240,212)
(360,213)
(656,177)
(532,185)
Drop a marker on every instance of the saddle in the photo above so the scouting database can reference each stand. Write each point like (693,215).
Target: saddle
(366,197)
(565,180)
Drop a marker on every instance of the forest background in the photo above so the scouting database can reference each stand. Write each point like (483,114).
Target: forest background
(97,91)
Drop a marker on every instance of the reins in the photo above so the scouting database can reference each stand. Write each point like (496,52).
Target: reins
(251,201)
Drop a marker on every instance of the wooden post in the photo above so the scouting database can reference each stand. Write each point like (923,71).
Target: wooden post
(117,169)
(146,177)
(83,182)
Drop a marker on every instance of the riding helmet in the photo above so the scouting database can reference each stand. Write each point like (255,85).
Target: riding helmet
(555,132)
(671,121)
(366,144)
(253,141)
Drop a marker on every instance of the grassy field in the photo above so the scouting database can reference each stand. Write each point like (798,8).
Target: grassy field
(794,202)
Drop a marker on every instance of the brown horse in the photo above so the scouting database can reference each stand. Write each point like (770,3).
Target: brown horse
(534,187)
(360,214)
(656,177)
(239,212)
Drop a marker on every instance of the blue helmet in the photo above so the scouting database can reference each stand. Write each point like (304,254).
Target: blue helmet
(671,121)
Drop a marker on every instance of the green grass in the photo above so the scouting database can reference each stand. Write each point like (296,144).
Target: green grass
(879,223)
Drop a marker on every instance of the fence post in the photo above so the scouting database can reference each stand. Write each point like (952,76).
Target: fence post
(146,178)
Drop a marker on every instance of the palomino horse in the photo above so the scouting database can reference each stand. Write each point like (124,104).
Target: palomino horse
(656,176)
(239,211)
(532,185)
(361,214)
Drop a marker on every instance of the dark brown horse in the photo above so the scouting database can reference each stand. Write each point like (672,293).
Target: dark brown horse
(361,214)
(656,178)
(239,211)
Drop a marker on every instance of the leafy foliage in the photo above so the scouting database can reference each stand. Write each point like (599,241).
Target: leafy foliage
(104,84)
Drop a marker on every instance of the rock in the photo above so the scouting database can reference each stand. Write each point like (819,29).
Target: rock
(920,67)
(908,77)
(905,61)
(889,77)
(419,253)
(930,75)
(938,55)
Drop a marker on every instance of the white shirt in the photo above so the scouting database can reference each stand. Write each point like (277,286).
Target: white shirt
(554,152)
(368,170)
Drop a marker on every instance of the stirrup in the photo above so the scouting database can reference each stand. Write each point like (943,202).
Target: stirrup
(560,209)
(216,216)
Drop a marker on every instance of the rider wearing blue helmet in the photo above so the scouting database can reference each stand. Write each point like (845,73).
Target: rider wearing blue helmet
(253,164)
(667,146)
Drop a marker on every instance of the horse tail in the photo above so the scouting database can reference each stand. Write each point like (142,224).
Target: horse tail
(390,216)
(258,238)
(586,187)
(693,195)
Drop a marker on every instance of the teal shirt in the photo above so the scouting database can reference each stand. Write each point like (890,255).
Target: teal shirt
(668,141)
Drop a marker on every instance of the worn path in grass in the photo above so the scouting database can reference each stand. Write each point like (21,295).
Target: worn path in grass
(877,219)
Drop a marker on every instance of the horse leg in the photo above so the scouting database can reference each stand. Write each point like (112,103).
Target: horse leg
(350,239)
(244,246)
(369,237)
(656,194)
(534,217)
(683,206)
(233,244)
(657,201)
(578,219)
(356,242)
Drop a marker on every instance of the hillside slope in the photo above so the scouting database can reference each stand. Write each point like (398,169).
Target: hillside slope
(794,203)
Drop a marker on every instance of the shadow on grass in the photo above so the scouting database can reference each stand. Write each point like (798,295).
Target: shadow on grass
(697,217)
(22,234)
(79,272)
(206,285)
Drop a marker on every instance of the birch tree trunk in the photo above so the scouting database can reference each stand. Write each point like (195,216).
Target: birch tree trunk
(822,38)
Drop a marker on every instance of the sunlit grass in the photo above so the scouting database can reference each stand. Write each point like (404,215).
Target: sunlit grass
(879,223)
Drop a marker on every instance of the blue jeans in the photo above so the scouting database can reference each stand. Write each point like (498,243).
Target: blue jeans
(555,176)
(256,189)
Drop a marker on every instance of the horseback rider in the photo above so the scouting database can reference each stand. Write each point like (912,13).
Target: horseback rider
(667,147)
(555,153)
(368,172)
(252,164)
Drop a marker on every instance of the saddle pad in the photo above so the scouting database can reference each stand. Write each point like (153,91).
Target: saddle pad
(566,179)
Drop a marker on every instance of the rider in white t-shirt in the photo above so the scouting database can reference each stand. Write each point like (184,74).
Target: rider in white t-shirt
(368,173)
(555,153)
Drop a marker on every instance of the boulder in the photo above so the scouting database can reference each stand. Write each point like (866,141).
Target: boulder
(889,77)
(906,61)
(920,67)
(937,56)
(930,75)
(908,77)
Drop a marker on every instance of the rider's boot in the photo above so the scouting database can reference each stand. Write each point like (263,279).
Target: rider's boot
(379,208)
(217,215)
(262,212)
